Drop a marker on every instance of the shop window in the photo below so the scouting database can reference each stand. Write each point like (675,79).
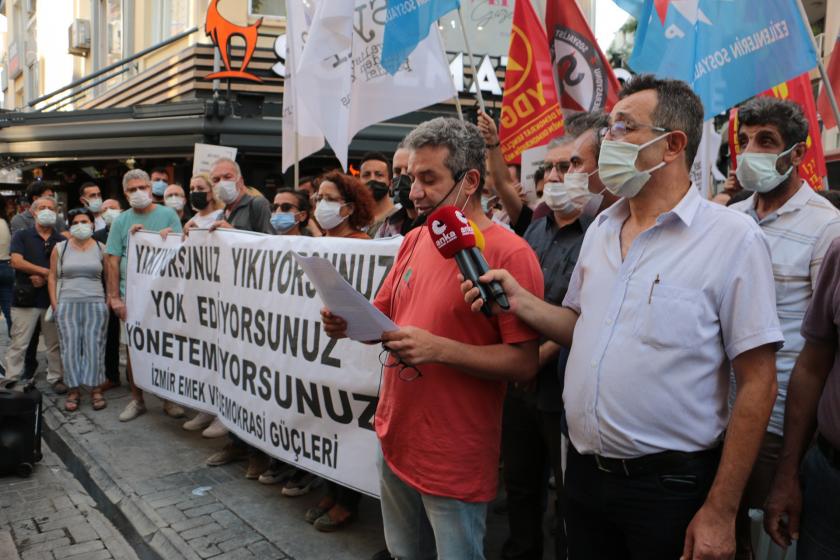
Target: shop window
(273,8)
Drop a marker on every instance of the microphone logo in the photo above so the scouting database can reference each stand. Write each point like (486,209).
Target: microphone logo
(443,238)
(463,219)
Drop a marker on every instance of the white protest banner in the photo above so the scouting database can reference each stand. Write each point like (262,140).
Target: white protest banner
(228,323)
(205,154)
(532,159)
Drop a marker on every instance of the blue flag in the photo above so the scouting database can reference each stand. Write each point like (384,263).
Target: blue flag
(727,51)
(408,22)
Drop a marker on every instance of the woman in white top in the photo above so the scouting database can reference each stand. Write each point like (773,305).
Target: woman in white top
(207,208)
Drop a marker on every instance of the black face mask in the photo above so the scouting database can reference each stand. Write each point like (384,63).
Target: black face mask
(198,200)
(379,189)
(402,188)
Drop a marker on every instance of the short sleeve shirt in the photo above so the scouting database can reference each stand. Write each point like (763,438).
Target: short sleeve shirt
(440,433)
(821,326)
(648,369)
(159,218)
(34,249)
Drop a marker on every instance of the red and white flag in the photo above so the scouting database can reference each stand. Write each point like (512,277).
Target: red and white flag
(582,74)
(531,115)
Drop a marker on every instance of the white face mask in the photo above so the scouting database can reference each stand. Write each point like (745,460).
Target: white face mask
(617,165)
(225,191)
(110,215)
(758,172)
(140,199)
(577,185)
(95,204)
(46,218)
(328,214)
(175,202)
(557,197)
(81,231)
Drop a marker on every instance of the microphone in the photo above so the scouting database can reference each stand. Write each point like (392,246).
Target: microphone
(495,287)
(455,237)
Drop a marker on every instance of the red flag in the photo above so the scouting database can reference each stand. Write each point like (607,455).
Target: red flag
(812,169)
(582,74)
(531,115)
(823,104)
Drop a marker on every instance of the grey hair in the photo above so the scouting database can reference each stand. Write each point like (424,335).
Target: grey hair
(463,140)
(227,160)
(785,115)
(135,174)
(560,141)
(37,201)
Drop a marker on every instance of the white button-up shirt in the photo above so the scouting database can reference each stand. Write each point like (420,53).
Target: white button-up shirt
(649,365)
(799,234)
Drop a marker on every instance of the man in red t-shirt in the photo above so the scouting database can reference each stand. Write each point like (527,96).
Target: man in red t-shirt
(439,415)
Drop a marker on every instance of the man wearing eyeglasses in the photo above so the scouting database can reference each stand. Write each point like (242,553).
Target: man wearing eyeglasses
(669,291)
(30,250)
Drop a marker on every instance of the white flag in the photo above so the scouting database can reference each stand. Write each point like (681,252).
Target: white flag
(701,171)
(298,125)
(343,84)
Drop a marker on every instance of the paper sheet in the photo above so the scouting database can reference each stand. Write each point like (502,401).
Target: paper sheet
(365,322)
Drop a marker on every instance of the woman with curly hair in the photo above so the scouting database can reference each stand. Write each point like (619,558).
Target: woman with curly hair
(344,206)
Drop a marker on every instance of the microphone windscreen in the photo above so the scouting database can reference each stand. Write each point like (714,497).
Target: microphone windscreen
(479,237)
(450,230)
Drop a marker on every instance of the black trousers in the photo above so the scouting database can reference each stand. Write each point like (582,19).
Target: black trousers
(530,450)
(638,517)
(112,349)
(30,361)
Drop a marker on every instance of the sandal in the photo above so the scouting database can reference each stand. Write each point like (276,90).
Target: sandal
(325,505)
(97,400)
(71,403)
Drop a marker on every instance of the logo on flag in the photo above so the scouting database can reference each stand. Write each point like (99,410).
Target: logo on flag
(728,51)
(531,115)
(584,79)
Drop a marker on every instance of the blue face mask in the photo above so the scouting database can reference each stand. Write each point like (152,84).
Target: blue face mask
(159,187)
(283,221)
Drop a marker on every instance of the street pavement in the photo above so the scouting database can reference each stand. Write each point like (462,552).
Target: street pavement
(149,478)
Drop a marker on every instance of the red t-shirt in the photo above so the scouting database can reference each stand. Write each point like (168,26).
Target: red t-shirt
(440,433)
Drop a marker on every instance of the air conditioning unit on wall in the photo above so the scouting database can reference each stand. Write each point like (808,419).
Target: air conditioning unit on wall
(79,37)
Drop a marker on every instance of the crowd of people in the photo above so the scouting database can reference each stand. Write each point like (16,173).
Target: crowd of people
(667,363)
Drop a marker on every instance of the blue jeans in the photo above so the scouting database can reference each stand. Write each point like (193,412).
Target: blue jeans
(819,531)
(419,526)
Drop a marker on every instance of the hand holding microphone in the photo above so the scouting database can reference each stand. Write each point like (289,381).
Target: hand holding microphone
(455,237)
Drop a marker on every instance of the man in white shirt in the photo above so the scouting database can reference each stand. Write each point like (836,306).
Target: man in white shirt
(668,291)
(799,225)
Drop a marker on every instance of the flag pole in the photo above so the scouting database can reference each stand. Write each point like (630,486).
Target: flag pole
(297,164)
(455,98)
(823,74)
(472,61)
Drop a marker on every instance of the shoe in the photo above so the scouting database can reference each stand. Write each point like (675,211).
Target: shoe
(59,387)
(329,522)
(301,483)
(277,472)
(132,411)
(382,555)
(215,429)
(173,410)
(257,464)
(313,513)
(199,422)
(229,454)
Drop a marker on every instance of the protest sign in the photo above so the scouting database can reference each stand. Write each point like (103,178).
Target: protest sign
(532,159)
(227,323)
(205,154)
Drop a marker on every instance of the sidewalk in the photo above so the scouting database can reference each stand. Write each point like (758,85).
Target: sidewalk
(149,479)
(50,516)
